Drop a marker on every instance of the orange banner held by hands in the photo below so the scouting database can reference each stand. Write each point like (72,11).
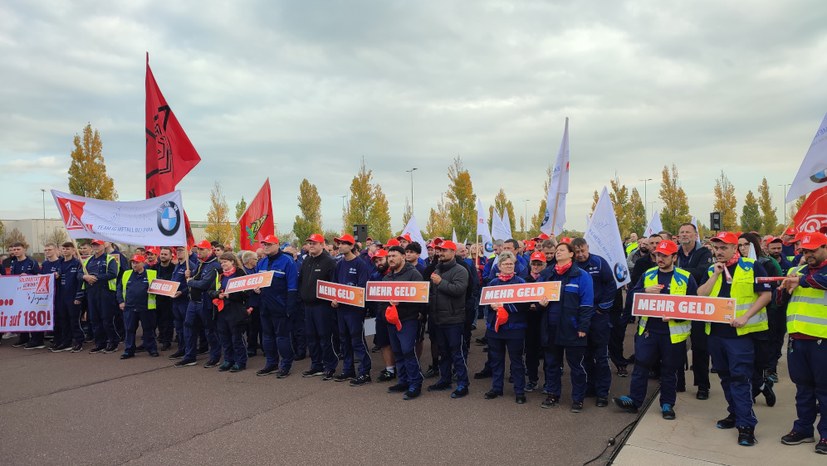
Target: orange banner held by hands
(520,293)
(163,287)
(408,292)
(342,294)
(703,308)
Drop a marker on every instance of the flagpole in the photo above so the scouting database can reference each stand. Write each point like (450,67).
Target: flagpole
(554,215)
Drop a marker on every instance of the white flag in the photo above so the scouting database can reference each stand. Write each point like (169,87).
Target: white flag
(454,235)
(654,226)
(412,228)
(507,223)
(482,230)
(158,221)
(498,230)
(603,237)
(813,171)
(555,217)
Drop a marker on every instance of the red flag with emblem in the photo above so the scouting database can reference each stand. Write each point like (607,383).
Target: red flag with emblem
(812,216)
(257,221)
(169,153)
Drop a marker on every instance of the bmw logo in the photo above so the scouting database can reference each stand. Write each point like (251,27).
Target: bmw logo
(169,218)
(489,246)
(545,218)
(621,271)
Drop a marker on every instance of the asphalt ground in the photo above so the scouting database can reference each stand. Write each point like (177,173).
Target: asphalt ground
(85,408)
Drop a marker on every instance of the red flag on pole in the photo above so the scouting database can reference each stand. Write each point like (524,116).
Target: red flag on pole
(812,216)
(257,221)
(169,153)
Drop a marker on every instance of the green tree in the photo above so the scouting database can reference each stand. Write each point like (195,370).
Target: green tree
(725,202)
(240,207)
(675,203)
(218,218)
(637,213)
(751,214)
(619,194)
(309,220)
(87,172)
(379,218)
(537,220)
(501,204)
(460,201)
(796,207)
(769,217)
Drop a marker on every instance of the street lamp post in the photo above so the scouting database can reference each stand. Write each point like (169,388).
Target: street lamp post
(645,200)
(784,201)
(43,195)
(412,188)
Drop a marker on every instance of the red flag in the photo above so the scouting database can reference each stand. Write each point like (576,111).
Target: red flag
(257,221)
(812,216)
(169,152)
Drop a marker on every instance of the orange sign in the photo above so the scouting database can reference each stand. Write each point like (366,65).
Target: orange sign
(520,293)
(406,292)
(343,294)
(163,287)
(704,308)
(249,282)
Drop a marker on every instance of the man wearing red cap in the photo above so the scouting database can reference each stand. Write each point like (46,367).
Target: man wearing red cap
(137,304)
(180,301)
(788,240)
(320,319)
(730,345)
(200,308)
(100,274)
(352,271)
(278,303)
(807,355)
(382,338)
(660,341)
(533,333)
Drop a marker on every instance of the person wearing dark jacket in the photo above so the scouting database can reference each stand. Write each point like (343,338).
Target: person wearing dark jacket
(533,348)
(180,301)
(137,305)
(449,285)
(69,295)
(352,271)
(505,330)
(320,318)
(200,309)
(100,272)
(278,302)
(696,260)
(249,259)
(564,327)
(404,328)
(233,314)
(165,267)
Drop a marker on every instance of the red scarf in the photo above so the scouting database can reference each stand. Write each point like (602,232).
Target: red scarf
(505,277)
(562,269)
(230,273)
(734,259)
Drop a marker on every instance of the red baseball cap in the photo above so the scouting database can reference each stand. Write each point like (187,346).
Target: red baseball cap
(529,245)
(447,244)
(437,240)
(204,244)
(537,256)
(774,239)
(813,240)
(565,239)
(270,239)
(153,250)
(98,242)
(315,238)
(138,258)
(380,253)
(726,237)
(406,237)
(792,231)
(345,239)
(669,247)
(392,242)
(541,237)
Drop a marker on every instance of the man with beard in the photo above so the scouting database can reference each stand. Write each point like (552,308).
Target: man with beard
(200,308)
(320,319)
(165,268)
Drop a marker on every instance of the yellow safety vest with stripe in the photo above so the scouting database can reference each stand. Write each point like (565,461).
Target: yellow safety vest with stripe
(630,248)
(743,291)
(678,329)
(807,310)
(150,277)
(113,283)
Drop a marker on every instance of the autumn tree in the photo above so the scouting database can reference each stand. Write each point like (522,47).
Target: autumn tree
(537,220)
(2,233)
(367,205)
(218,226)
(240,207)
(619,194)
(87,172)
(501,204)
(675,203)
(15,236)
(595,200)
(379,216)
(460,201)
(58,236)
(407,213)
(769,217)
(309,220)
(637,213)
(439,222)
(751,214)
(796,207)
(725,202)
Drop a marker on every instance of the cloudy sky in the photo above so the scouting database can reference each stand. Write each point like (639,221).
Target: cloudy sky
(307,89)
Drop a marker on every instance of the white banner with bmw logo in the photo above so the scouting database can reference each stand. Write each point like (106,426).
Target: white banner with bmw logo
(158,221)
(604,240)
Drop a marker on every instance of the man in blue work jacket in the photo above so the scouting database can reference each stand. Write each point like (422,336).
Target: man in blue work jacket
(200,308)
(137,304)
(278,302)
(100,274)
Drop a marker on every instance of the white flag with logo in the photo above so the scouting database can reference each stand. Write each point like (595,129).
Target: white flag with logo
(813,171)
(507,223)
(654,225)
(158,221)
(604,239)
(412,228)
(482,230)
(555,217)
(498,229)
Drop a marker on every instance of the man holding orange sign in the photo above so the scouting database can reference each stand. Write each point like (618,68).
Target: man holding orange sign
(351,270)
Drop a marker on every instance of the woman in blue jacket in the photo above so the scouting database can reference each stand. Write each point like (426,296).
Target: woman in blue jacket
(233,315)
(508,333)
(564,326)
